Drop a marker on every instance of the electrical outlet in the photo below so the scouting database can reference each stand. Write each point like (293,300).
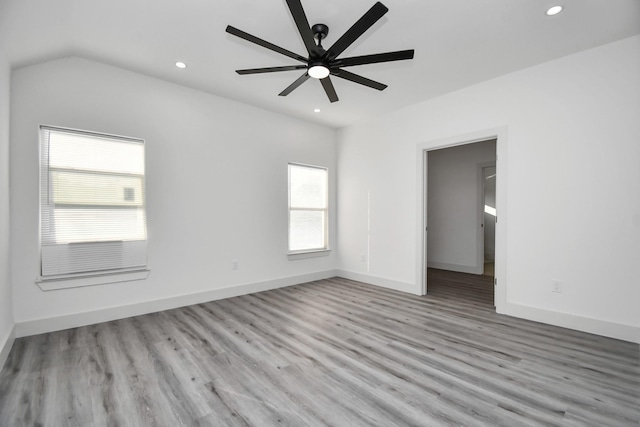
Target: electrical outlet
(234,264)
(556,286)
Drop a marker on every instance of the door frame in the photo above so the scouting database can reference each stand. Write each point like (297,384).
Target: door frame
(481,223)
(500,135)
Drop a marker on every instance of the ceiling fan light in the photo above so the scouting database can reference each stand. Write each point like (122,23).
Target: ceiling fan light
(318,71)
(554,10)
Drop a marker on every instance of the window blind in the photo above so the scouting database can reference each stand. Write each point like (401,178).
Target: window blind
(308,215)
(92,203)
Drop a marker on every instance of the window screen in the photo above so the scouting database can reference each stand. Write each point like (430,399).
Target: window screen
(92,203)
(308,213)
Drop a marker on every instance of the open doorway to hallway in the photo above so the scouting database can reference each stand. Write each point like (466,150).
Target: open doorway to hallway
(460,217)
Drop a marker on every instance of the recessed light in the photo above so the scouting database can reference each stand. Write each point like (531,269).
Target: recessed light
(181,64)
(317,110)
(554,10)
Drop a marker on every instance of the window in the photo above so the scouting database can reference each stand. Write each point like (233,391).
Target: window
(308,213)
(92,204)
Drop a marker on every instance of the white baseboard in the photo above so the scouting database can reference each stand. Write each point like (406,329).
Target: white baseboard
(39,326)
(579,323)
(472,269)
(5,346)
(409,288)
(564,320)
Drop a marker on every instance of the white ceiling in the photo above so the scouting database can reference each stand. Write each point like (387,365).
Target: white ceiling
(457,43)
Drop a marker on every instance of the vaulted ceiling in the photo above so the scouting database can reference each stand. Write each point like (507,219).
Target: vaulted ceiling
(457,43)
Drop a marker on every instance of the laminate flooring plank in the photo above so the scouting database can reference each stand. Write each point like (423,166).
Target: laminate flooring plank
(106,380)
(322,350)
(368,347)
(457,306)
(525,399)
(362,356)
(615,348)
(330,352)
(313,350)
(478,317)
(326,401)
(398,375)
(245,389)
(476,354)
(545,379)
(138,358)
(525,344)
(250,349)
(560,411)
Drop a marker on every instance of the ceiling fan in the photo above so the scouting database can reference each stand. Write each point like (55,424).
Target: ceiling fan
(321,63)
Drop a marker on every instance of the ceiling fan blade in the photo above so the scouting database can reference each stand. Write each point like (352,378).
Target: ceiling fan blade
(372,16)
(329,89)
(372,59)
(271,69)
(343,74)
(302,23)
(303,78)
(253,39)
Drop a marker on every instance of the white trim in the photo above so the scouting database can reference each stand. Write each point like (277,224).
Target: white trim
(5,346)
(409,288)
(579,323)
(480,181)
(500,134)
(421,219)
(44,325)
(32,327)
(471,269)
(101,135)
(50,284)
(308,254)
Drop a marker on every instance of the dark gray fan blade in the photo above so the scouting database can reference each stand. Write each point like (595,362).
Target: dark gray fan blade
(271,69)
(329,89)
(372,59)
(303,78)
(253,39)
(344,74)
(372,16)
(303,25)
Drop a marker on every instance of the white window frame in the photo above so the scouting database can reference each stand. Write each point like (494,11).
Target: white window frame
(313,252)
(63,281)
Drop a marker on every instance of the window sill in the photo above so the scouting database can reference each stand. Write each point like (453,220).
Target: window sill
(311,254)
(51,283)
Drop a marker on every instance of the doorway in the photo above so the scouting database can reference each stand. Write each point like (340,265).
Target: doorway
(466,258)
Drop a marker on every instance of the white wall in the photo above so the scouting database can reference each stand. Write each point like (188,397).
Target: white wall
(216,190)
(455,238)
(6,299)
(573,186)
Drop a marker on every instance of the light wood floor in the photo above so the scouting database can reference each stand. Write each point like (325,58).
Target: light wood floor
(332,352)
